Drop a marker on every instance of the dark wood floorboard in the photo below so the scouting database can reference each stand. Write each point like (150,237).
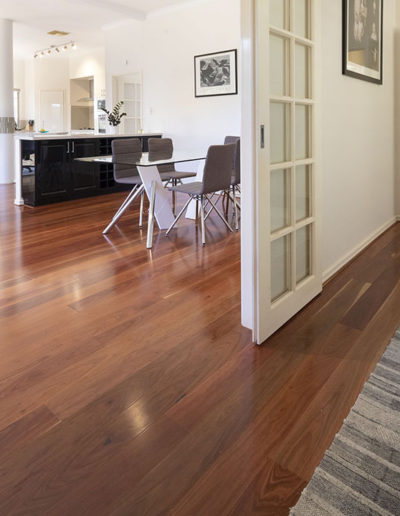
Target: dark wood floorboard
(128,386)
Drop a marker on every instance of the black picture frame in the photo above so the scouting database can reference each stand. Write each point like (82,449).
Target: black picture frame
(362,51)
(204,78)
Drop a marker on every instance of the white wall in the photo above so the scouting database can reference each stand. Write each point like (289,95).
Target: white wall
(19,83)
(172,41)
(163,48)
(33,75)
(51,74)
(90,65)
(24,81)
(124,53)
(357,145)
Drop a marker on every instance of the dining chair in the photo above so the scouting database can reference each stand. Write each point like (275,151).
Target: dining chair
(217,176)
(163,148)
(127,175)
(235,182)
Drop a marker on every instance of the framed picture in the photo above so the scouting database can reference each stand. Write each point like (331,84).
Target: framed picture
(216,74)
(363,39)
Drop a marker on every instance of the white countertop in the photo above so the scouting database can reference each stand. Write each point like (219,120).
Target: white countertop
(75,136)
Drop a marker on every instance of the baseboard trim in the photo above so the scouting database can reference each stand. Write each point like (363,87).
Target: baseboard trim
(358,249)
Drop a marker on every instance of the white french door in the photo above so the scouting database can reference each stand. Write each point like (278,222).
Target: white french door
(130,92)
(288,272)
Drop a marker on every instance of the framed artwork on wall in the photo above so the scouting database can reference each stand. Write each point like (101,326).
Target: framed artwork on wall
(216,74)
(363,39)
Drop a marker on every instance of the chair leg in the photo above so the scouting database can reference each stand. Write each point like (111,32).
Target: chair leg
(220,215)
(141,210)
(178,217)
(173,197)
(237,189)
(207,203)
(227,199)
(128,201)
(131,193)
(235,210)
(237,203)
(203,233)
(150,225)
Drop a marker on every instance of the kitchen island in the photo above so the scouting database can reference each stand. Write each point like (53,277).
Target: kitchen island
(47,170)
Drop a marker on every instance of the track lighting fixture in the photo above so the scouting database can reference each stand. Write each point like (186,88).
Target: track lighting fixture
(55,49)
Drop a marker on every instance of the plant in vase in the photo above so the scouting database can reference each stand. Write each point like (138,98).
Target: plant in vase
(114,117)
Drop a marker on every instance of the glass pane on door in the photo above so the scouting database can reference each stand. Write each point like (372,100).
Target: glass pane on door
(302,18)
(280,132)
(302,70)
(303,253)
(280,199)
(129,91)
(302,125)
(303,192)
(279,13)
(280,267)
(279,66)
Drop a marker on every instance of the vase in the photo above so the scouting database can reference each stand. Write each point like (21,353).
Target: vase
(113,129)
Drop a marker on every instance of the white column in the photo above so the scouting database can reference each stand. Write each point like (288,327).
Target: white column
(7,123)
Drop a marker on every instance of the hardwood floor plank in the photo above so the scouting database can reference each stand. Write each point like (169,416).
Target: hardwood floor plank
(363,311)
(272,491)
(25,430)
(33,481)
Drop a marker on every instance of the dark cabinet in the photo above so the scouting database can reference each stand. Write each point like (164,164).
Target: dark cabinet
(84,176)
(50,172)
(58,176)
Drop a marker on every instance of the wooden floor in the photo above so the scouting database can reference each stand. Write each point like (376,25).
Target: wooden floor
(128,387)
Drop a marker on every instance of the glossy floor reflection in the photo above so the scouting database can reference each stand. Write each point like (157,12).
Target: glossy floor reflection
(129,387)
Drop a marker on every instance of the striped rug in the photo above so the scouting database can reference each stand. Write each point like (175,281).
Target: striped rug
(360,473)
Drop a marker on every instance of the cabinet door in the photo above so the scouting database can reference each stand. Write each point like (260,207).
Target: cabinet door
(28,176)
(52,171)
(84,176)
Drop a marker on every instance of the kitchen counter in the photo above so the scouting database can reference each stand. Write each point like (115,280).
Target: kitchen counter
(47,170)
(32,136)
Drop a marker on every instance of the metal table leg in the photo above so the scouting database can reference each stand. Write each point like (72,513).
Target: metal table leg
(150,226)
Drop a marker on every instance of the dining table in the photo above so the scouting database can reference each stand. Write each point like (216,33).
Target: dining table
(147,165)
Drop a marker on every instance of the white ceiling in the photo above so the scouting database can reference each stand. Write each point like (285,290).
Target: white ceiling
(84,19)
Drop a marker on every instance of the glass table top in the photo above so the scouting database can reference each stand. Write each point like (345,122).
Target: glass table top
(146,159)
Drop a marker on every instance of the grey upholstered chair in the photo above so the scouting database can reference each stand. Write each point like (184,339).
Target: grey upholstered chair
(163,148)
(235,182)
(128,175)
(217,176)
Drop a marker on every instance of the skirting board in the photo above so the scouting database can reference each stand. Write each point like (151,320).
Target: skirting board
(356,250)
